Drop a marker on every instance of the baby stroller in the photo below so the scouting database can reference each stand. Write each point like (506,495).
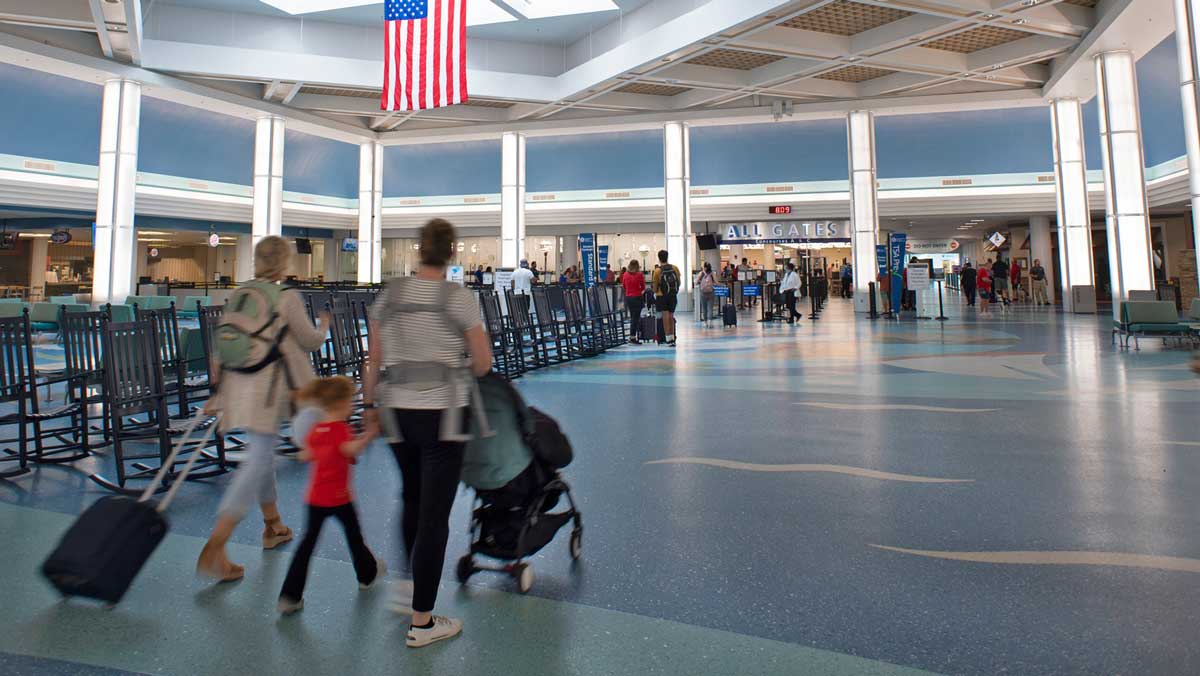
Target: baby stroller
(517,485)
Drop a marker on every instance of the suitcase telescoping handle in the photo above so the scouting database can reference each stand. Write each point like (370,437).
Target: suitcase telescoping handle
(170,461)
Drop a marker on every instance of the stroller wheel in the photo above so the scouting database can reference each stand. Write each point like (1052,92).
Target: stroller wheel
(576,544)
(465,569)
(524,575)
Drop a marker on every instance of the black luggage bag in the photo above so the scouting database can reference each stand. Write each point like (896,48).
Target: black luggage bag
(729,314)
(110,542)
(660,334)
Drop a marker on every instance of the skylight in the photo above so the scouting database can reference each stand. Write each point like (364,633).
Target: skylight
(479,12)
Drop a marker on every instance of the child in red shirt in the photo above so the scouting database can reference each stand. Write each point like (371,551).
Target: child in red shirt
(331,447)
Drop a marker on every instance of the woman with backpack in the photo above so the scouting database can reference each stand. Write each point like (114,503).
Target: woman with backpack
(707,284)
(420,327)
(254,394)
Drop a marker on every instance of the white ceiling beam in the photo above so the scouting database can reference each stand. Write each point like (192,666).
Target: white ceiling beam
(901,32)
(270,89)
(101,27)
(1023,50)
(813,86)
(291,95)
(896,82)
(619,99)
(70,14)
(133,27)
(1062,16)
(786,69)
(316,69)
(796,42)
(370,107)
(690,74)
(889,105)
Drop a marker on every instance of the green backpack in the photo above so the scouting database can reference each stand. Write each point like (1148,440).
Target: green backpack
(247,339)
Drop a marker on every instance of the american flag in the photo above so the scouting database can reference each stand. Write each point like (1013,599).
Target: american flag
(425,43)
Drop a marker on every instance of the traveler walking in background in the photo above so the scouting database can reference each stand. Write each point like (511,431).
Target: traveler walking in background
(847,280)
(536,273)
(967,279)
(789,288)
(330,447)
(706,285)
(1000,280)
(666,292)
(1037,275)
(984,281)
(419,329)
(479,276)
(522,280)
(1016,281)
(634,283)
(257,401)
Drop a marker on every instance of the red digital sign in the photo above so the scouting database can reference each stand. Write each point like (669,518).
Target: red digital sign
(780,210)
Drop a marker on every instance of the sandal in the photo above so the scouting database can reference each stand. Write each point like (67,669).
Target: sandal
(272,538)
(220,570)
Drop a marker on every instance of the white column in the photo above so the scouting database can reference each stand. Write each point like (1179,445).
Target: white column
(677,212)
(268,178)
(244,259)
(39,249)
(1039,249)
(370,213)
(1130,261)
(1187,43)
(113,269)
(331,265)
(512,199)
(864,204)
(1074,216)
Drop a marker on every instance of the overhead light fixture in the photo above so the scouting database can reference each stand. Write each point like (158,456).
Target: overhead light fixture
(1020,22)
(34,235)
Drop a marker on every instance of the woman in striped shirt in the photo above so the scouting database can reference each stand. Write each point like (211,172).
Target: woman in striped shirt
(420,328)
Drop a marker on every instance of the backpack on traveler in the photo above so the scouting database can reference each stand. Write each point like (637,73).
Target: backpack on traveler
(248,338)
(707,284)
(668,280)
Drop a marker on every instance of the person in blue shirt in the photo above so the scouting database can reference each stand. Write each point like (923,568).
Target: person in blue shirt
(847,280)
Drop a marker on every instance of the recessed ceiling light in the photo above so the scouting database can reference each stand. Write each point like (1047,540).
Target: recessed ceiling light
(1020,22)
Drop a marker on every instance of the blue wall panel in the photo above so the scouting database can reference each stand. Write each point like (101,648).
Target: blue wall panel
(319,166)
(769,153)
(594,161)
(1162,114)
(969,143)
(442,169)
(179,140)
(51,117)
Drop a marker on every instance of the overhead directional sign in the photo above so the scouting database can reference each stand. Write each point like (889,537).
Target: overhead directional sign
(997,239)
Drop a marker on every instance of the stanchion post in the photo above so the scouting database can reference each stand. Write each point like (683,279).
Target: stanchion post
(871,300)
(941,309)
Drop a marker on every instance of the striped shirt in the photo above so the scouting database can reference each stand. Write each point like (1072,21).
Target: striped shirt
(424,337)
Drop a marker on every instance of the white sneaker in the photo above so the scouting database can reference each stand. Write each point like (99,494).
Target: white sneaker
(380,572)
(442,629)
(402,597)
(287,606)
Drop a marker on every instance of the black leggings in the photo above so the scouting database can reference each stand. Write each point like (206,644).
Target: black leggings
(634,305)
(364,561)
(429,470)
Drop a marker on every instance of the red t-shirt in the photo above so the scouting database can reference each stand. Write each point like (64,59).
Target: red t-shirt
(984,280)
(329,481)
(634,283)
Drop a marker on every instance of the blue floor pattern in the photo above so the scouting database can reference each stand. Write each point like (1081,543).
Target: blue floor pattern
(979,496)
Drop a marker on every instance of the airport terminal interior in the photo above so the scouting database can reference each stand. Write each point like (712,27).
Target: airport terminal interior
(871,325)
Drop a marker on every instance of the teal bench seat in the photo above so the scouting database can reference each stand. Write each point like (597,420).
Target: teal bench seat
(187,307)
(1148,318)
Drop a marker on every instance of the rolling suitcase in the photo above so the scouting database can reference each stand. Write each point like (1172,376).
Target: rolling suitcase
(729,315)
(648,326)
(106,547)
(660,334)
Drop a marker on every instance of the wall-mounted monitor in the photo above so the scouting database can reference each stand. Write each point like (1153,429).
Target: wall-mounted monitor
(350,245)
(706,242)
(303,246)
(8,241)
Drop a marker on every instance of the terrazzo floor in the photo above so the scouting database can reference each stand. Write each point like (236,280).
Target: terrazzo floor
(1008,494)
